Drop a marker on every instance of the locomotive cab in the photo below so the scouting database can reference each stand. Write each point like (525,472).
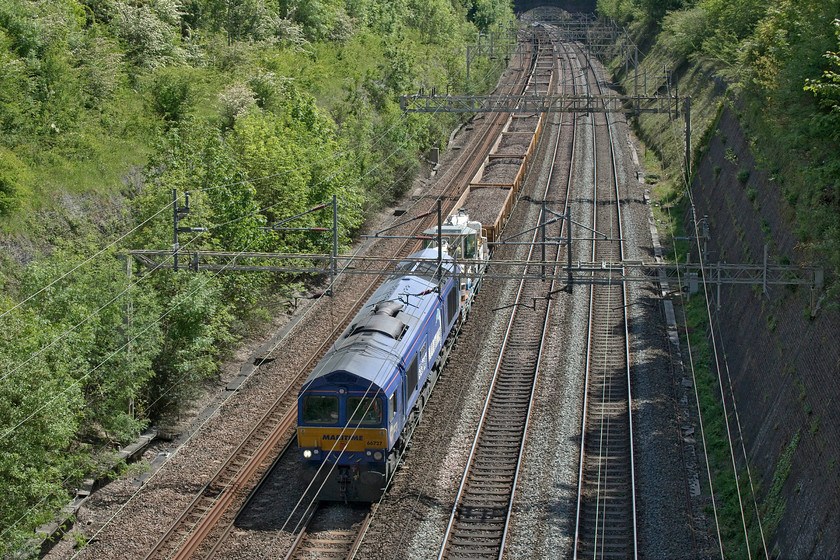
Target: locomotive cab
(343,428)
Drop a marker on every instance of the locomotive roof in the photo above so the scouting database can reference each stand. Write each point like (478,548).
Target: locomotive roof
(383,333)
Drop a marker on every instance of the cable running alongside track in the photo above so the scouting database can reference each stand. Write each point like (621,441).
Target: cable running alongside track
(208,520)
(480,517)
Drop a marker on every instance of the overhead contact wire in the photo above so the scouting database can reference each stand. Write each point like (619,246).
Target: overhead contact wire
(349,263)
(312,501)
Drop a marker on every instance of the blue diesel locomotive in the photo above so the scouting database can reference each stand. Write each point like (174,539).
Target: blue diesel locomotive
(358,406)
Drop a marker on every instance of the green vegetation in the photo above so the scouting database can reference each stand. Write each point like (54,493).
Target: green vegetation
(777,63)
(261,109)
(774,504)
(726,483)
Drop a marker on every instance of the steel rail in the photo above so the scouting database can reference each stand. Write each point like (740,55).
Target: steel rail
(625,320)
(187,537)
(214,551)
(338,543)
(243,475)
(304,525)
(487,543)
(617,547)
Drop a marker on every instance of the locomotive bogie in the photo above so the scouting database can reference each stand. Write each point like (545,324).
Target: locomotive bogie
(349,483)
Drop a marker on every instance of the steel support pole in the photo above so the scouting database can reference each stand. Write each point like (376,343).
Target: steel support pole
(626,53)
(569,244)
(175,245)
(334,256)
(636,77)
(688,139)
(542,230)
(764,273)
(677,97)
(440,242)
(468,68)
(129,311)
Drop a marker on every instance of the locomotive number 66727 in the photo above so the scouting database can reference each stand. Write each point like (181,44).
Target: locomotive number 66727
(360,403)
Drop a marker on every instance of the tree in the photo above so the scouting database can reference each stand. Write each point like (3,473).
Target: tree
(487,13)
(655,10)
(827,88)
(149,31)
(172,93)
(435,19)
(40,409)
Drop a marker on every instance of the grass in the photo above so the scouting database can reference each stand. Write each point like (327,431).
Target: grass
(90,160)
(726,483)
(773,506)
(670,195)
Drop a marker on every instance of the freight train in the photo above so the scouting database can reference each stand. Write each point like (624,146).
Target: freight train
(358,407)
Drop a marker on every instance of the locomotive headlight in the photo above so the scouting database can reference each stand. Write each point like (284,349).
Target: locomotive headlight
(307,453)
(377,455)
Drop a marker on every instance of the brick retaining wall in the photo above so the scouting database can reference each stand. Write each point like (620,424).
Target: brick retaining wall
(785,367)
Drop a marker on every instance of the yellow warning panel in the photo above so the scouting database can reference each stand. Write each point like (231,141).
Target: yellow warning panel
(339,439)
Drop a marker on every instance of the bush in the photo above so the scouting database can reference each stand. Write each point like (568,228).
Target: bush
(150,32)
(101,69)
(233,102)
(684,31)
(743,176)
(13,176)
(172,93)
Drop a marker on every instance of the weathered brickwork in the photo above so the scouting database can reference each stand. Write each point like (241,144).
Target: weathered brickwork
(784,366)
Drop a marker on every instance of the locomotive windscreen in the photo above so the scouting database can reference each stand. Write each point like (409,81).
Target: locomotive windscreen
(318,409)
(366,411)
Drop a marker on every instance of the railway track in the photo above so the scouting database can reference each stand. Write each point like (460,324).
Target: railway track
(331,531)
(605,525)
(480,517)
(207,521)
(202,524)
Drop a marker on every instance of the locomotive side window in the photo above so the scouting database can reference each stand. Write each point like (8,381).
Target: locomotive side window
(392,406)
(411,373)
(319,409)
(451,306)
(365,411)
